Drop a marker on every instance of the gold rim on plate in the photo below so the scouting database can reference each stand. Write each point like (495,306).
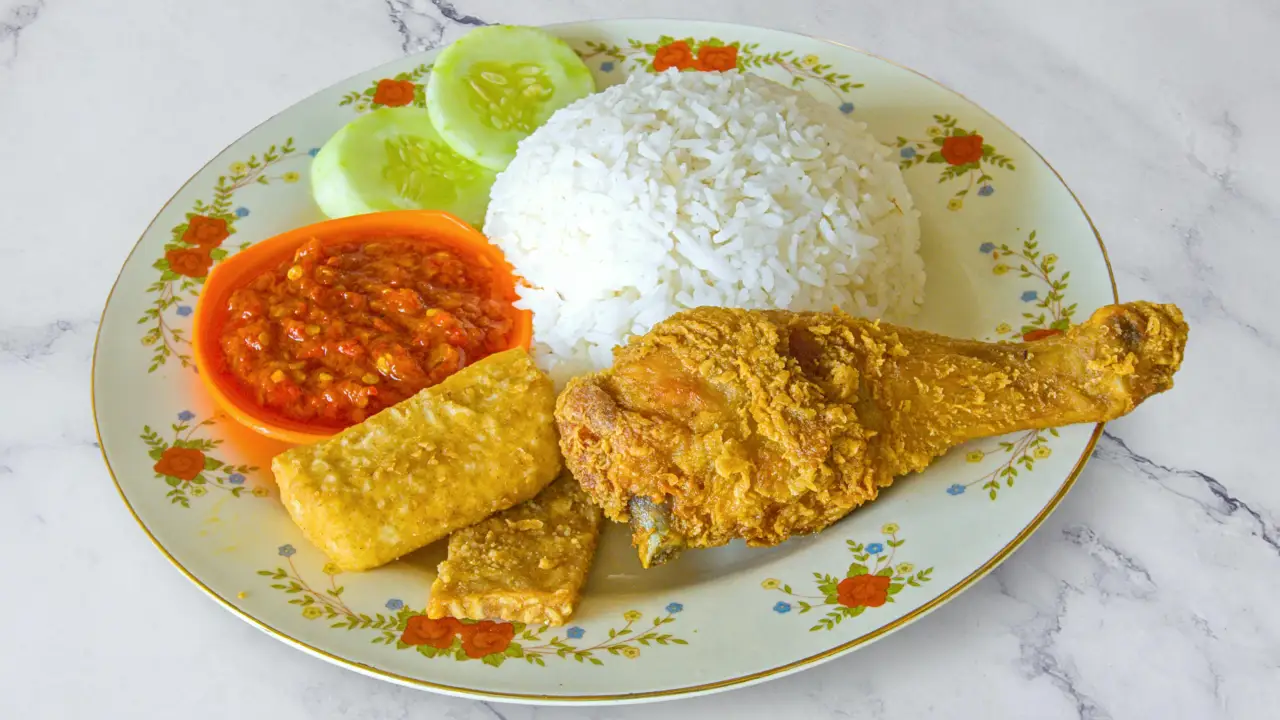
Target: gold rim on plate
(743,680)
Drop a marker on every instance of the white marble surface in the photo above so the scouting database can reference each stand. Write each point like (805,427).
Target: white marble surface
(1152,592)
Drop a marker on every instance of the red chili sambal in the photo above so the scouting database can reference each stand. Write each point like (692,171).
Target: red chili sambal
(343,330)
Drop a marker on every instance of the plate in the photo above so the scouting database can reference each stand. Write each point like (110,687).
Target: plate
(1009,252)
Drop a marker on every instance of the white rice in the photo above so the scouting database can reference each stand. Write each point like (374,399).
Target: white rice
(678,190)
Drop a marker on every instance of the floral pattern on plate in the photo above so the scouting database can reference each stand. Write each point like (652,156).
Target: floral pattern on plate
(1055,315)
(196,246)
(871,581)
(490,642)
(964,154)
(715,54)
(187,463)
(399,90)
(1023,451)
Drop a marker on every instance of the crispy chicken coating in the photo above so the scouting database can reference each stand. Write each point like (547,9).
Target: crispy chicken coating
(721,424)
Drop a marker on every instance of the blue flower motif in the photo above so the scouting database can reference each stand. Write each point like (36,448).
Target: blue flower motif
(1029,295)
(674,608)
(575,633)
(782,608)
(986,247)
(846,108)
(184,310)
(986,190)
(242,212)
(606,66)
(875,548)
(313,152)
(907,152)
(956,489)
(395,604)
(186,416)
(287,551)
(235,479)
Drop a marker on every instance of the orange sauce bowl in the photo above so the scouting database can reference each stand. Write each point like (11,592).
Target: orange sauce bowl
(434,229)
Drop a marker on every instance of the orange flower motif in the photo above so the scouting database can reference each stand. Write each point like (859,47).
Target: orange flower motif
(394,92)
(718,58)
(205,231)
(486,638)
(962,149)
(192,262)
(863,591)
(674,55)
(422,630)
(182,463)
(1040,334)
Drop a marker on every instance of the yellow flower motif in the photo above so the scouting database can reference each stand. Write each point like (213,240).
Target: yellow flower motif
(198,491)
(311,612)
(260,492)
(1042,452)
(934,131)
(890,528)
(630,652)
(809,60)
(631,615)
(239,168)
(770,584)
(1000,269)
(955,204)
(905,568)
(975,456)
(1003,329)
(290,177)
(331,569)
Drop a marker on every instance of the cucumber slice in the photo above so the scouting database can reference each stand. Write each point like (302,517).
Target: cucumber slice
(393,159)
(497,84)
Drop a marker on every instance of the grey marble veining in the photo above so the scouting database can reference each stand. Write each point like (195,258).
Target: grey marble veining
(18,18)
(1151,592)
(423,23)
(1214,498)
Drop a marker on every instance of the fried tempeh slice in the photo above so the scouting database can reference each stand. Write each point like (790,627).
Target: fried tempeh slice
(527,564)
(476,444)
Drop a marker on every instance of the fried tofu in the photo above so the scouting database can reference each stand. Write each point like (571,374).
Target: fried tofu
(527,564)
(452,455)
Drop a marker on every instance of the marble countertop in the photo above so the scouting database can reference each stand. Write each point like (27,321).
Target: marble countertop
(1152,592)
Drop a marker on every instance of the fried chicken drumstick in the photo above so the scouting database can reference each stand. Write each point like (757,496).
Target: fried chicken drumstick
(722,424)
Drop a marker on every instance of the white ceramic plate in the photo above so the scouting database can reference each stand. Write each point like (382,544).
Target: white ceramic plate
(1009,251)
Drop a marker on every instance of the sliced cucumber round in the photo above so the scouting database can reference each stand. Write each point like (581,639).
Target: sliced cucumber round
(393,159)
(496,85)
